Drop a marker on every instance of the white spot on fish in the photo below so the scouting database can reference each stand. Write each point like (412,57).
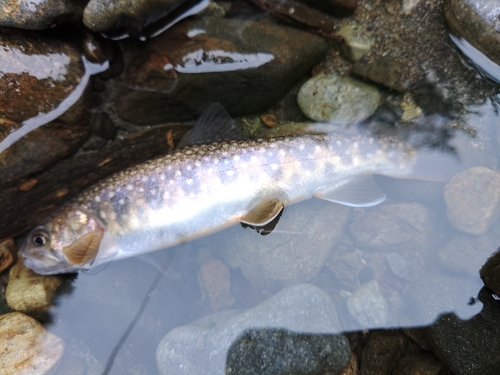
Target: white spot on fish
(178,173)
(262,149)
(166,195)
(275,167)
(302,147)
(236,158)
(130,187)
(254,159)
(216,161)
(145,179)
(189,181)
(162,177)
(226,162)
(282,152)
(230,173)
(317,148)
(189,168)
(338,143)
(97,198)
(355,144)
(111,194)
(141,190)
(121,201)
(197,163)
(102,214)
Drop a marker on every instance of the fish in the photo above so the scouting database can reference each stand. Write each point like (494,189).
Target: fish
(206,187)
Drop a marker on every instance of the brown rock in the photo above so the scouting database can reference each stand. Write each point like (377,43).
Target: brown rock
(382,351)
(42,83)
(337,8)
(385,71)
(26,347)
(215,280)
(352,366)
(29,292)
(473,200)
(6,254)
(419,364)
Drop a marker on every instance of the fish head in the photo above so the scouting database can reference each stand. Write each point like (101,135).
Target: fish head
(68,241)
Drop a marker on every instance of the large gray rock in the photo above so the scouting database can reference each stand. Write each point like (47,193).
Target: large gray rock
(331,98)
(473,200)
(202,346)
(311,230)
(477,21)
(39,15)
(201,62)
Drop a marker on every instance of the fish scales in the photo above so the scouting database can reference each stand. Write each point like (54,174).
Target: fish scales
(204,188)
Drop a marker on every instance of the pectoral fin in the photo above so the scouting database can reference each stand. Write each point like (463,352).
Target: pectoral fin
(361,191)
(84,249)
(263,213)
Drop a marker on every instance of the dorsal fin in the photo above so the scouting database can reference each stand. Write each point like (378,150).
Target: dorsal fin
(214,125)
(84,249)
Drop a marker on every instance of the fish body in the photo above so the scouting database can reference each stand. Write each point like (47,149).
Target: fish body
(204,188)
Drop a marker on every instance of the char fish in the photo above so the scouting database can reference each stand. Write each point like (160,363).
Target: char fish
(204,188)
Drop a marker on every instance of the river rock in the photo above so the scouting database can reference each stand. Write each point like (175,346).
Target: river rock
(468,346)
(331,98)
(368,305)
(42,81)
(419,364)
(337,8)
(386,71)
(277,351)
(473,200)
(430,297)
(215,281)
(120,17)
(467,254)
(202,62)
(26,347)
(29,292)
(287,258)
(203,346)
(382,351)
(393,227)
(7,250)
(357,41)
(39,15)
(477,21)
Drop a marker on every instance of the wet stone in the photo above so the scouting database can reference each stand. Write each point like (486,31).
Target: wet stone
(368,305)
(123,17)
(476,21)
(294,252)
(467,254)
(382,351)
(490,272)
(352,366)
(357,41)
(276,351)
(7,251)
(42,81)
(29,292)
(331,98)
(337,8)
(215,281)
(385,71)
(419,364)
(393,227)
(203,346)
(468,346)
(26,347)
(202,62)
(473,200)
(39,15)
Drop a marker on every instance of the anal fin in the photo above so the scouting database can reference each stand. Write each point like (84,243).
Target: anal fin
(360,191)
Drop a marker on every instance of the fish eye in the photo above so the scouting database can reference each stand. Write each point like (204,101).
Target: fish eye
(40,238)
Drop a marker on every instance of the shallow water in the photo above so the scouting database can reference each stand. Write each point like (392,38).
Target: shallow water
(397,257)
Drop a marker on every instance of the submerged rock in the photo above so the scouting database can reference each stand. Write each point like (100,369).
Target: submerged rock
(26,347)
(473,200)
(198,63)
(393,227)
(368,305)
(310,231)
(357,41)
(336,8)
(385,71)
(203,346)
(477,21)
(39,15)
(42,81)
(7,251)
(382,351)
(215,281)
(331,98)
